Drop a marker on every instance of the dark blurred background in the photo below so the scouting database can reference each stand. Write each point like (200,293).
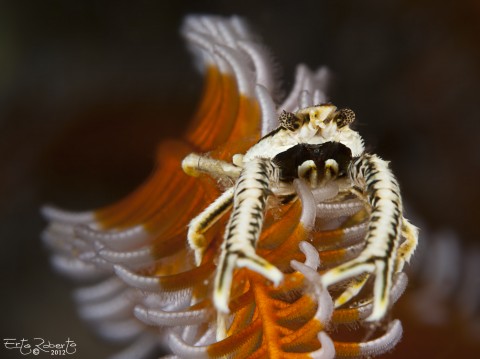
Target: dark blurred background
(88,89)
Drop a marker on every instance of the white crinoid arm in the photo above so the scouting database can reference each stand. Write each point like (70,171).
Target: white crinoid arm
(229,45)
(308,90)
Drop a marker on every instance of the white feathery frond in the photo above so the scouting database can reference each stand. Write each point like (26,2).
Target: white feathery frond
(309,89)
(112,308)
(308,215)
(323,193)
(139,258)
(171,318)
(348,208)
(76,269)
(137,281)
(91,257)
(243,74)
(324,300)
(327,351)
(227,33)
(210,27)
(241,27)
(54,214)
(385,343)
(171,300)
(118,240)
(290,104)
(312,259)
(267,107)
(305,99)
(261,61)
(185,350)
(321,81)
(100,291)
(65,244)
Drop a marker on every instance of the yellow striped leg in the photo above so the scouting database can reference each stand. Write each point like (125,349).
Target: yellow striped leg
(352,290)
(195,164)
(406,249)
(207,218)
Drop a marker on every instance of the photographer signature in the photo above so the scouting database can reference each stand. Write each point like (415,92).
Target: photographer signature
(40,345)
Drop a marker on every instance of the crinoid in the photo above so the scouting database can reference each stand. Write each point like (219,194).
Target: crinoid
(238,253)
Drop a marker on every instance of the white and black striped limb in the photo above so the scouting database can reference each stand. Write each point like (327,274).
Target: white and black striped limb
(371,174)
(206,219)
(243,229)
(195,164)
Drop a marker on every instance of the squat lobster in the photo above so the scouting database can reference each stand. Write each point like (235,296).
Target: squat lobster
(315,144)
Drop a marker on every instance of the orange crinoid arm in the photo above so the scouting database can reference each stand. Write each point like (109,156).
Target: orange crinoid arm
(148,290)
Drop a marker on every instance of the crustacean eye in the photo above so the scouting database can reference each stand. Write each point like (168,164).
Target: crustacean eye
(290,121)
(344,117)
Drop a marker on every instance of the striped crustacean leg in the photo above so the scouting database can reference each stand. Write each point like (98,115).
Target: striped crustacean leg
(379,256)
(243,229)
(207,218)
(406,249)
(193,165)
(352,290)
